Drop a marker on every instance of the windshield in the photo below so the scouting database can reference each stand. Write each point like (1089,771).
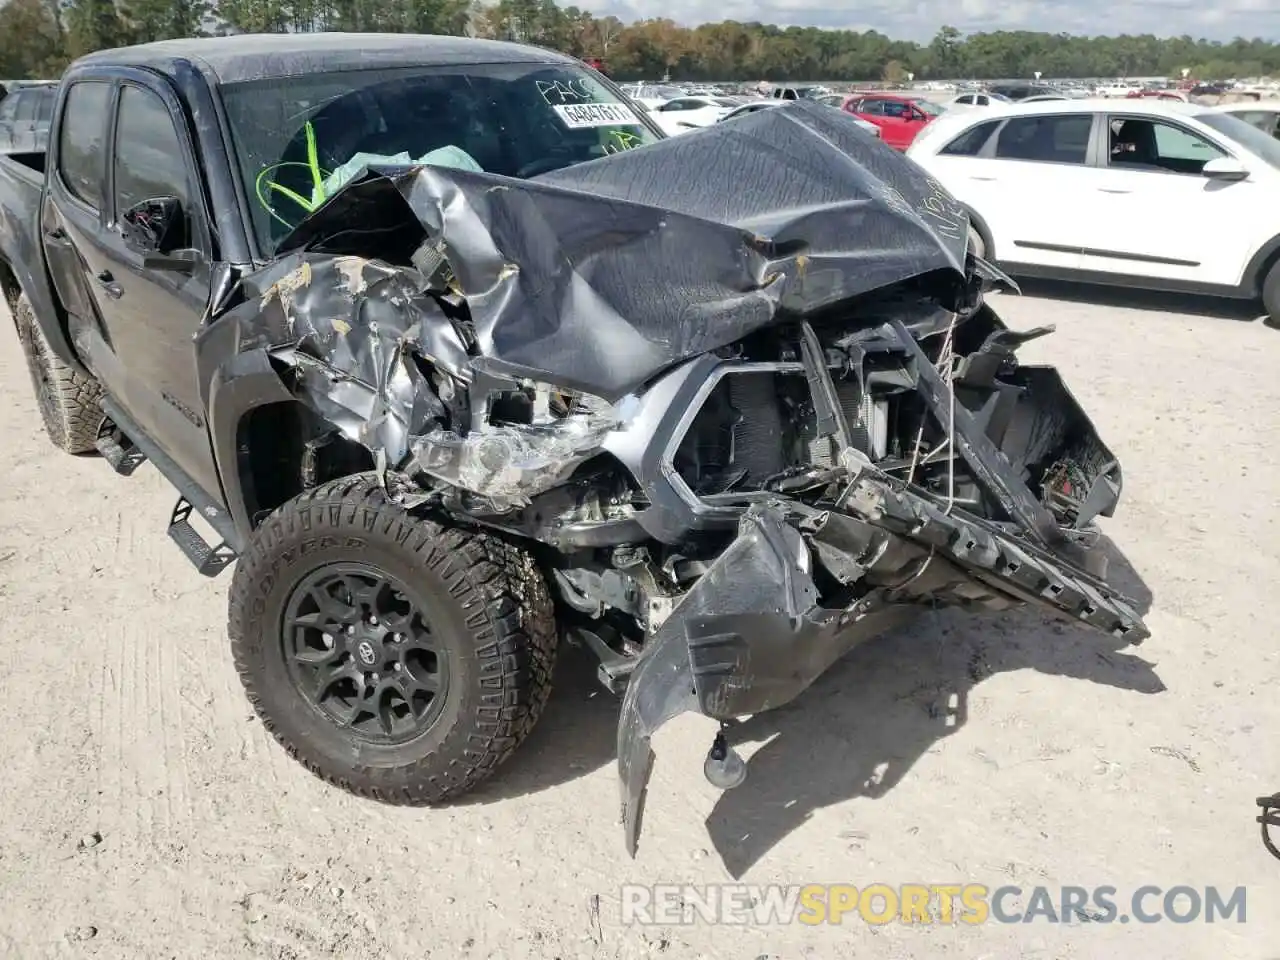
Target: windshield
(300,139)
(1245,134)
(929,107)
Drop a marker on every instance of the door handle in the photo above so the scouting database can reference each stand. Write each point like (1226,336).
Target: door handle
(108,282)
(984,179)
(1112,190)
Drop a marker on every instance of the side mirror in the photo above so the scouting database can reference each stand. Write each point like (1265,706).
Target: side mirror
(152,226)
(1225,168)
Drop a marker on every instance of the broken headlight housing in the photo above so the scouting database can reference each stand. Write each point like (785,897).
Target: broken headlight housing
(523,441)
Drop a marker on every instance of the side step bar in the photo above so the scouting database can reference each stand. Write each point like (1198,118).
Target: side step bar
(125,446)
(210,560)
(118,450)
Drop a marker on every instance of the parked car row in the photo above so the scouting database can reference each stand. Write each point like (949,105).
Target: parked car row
(1144,193)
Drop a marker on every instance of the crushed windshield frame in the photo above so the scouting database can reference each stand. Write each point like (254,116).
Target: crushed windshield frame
(295,143)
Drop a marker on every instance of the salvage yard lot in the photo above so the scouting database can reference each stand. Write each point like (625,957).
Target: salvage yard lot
(996,750)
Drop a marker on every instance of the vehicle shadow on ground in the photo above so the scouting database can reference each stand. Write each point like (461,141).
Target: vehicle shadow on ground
(858,731)
(577,734)
(1150,300)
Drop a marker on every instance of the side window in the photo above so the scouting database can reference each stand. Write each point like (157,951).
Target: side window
(81,146)
(873,107)
(1155,144)
(965,99)
(8,107)
(149,160)
(1059,138)
(672,106)
(895,108)
(971,142)
(1175,143)
(44,106)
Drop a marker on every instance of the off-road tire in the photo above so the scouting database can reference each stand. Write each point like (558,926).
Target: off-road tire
(488,600)
(1271,293)
(68,400)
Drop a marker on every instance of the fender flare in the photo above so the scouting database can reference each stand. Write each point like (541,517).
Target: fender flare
(239,385)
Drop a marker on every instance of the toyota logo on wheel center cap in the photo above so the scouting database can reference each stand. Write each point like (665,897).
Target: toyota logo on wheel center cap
(366,653)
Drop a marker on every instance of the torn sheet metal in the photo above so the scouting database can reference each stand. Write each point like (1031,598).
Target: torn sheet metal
(600,275)
(363,338)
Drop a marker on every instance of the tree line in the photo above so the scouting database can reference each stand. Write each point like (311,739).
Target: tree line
(38,38)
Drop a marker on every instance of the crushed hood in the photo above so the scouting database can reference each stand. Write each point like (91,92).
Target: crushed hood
(600,275)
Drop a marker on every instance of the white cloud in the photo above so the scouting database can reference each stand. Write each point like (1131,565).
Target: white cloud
(1220,20)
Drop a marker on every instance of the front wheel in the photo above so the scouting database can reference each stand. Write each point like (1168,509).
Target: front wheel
(391,656)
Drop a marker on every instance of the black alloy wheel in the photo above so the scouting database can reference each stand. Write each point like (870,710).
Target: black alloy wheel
(360,650)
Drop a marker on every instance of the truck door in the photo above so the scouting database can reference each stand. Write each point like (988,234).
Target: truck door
(72,216)
(152,272)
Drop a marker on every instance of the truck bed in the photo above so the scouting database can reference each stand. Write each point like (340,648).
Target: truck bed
(22,264)
(27,166)
(21,189)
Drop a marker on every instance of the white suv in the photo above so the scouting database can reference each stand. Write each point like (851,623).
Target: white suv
(1153,194)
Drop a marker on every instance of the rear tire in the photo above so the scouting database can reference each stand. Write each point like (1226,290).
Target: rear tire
(68,400)
(1271,294)
(391,656)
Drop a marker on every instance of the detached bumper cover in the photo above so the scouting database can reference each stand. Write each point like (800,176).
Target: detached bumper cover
(751,635)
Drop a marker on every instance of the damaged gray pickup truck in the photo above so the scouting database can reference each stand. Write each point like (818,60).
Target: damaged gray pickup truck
(459,357)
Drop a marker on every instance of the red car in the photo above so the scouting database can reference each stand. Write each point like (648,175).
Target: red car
(1158,94)
(899,117)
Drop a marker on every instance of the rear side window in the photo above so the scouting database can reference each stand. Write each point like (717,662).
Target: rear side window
(971,142)
(150,162)
(81,141)
(44,105)
(26,107)
(1060,138)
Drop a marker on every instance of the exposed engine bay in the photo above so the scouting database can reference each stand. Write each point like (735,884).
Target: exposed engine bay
(732,466)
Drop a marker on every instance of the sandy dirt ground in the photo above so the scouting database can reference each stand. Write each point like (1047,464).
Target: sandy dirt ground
(147,815)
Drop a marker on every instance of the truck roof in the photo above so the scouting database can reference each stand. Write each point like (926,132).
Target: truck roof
(262,56)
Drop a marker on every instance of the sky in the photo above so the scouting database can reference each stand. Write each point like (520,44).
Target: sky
(920,20)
